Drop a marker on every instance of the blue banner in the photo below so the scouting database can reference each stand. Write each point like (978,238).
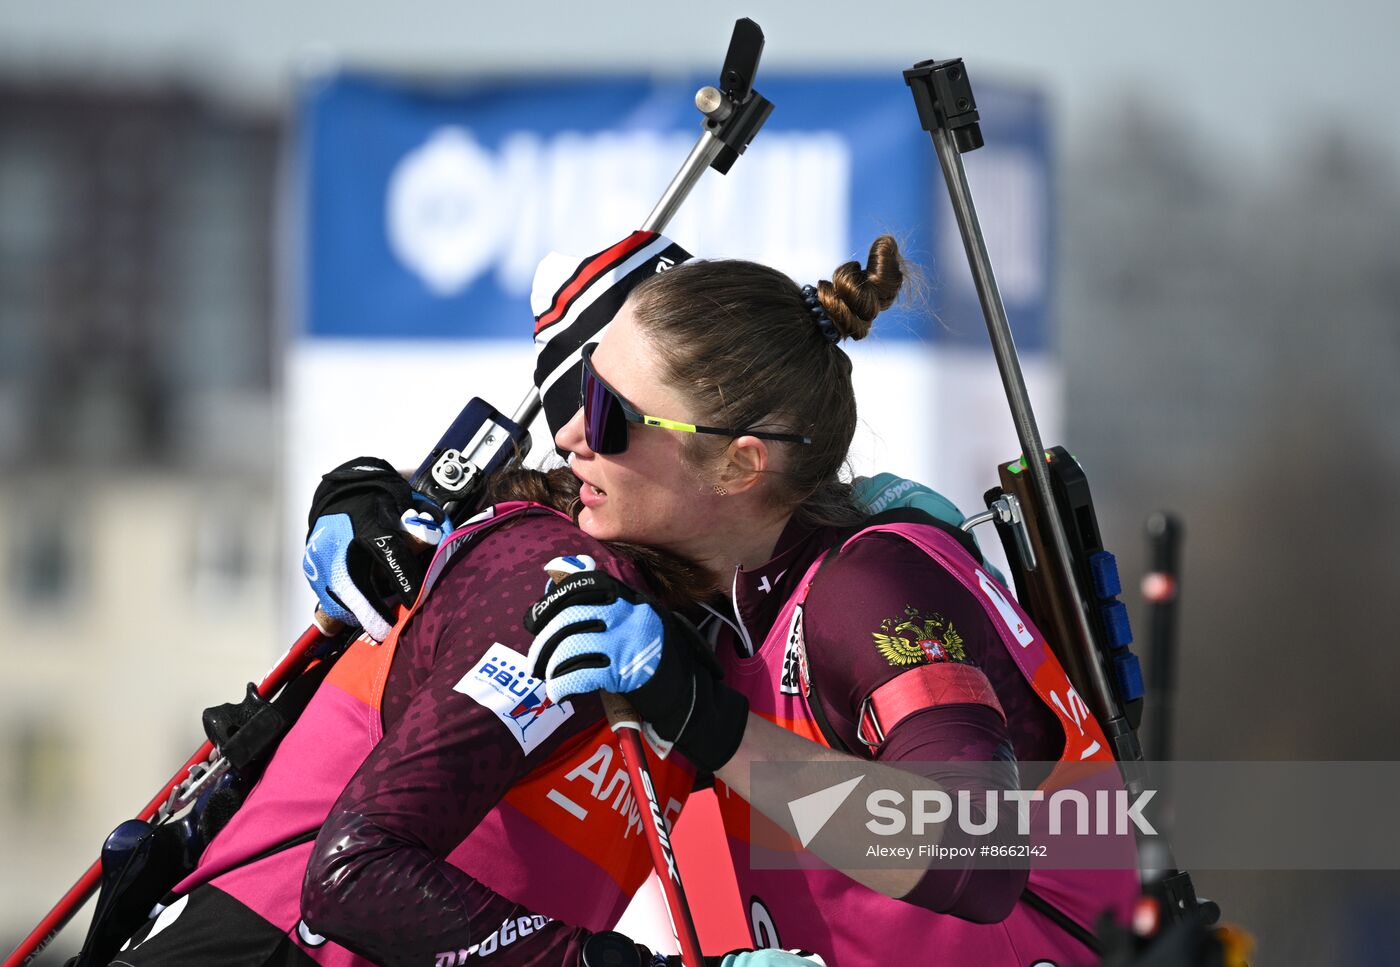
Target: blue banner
(426,208)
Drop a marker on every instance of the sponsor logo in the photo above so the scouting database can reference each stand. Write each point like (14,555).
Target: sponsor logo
(499,682)
(308,564)
(794,657)
(510,930)
(457,210)
(891,494)
(1076,710)
(918,640)
(542,605)
(605,780)
(383,544)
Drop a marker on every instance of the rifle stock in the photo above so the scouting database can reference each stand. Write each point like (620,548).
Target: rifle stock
(1066,601)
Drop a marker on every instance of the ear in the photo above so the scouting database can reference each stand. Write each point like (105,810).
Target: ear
(747,459)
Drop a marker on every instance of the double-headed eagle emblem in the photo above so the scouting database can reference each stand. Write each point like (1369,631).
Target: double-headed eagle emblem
(918,640)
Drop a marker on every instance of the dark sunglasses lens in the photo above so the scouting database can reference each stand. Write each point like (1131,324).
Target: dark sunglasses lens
(604,424)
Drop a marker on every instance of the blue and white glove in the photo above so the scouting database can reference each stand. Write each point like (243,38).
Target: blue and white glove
(594,632)
(885,490)
(368,544)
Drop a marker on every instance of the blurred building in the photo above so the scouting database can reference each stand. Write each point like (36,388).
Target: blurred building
(140,445)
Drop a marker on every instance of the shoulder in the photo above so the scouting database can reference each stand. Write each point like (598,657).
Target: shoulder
(882,565)
(525,546)
(885,596)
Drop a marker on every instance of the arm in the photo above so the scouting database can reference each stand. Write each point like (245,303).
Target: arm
(984,896)
(883,615)
(378,881)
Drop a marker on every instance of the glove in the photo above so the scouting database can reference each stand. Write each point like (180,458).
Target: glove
(368,543)
(885,490)
(770,958)
(592,631)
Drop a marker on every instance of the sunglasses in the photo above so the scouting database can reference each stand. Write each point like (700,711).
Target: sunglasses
(606,415)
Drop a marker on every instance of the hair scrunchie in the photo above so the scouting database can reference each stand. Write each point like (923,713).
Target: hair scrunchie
(818,311)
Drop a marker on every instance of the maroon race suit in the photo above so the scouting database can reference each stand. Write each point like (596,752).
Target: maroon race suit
(907,602)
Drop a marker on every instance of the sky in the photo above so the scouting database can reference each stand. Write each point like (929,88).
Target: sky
(1255,74)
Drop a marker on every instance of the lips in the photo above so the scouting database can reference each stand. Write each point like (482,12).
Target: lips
(589,494)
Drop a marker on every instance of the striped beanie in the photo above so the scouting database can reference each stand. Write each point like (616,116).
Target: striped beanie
(574,300)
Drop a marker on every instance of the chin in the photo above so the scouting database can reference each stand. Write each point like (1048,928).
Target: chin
(589,523)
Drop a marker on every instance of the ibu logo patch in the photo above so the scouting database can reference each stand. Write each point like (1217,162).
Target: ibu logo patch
(500,682)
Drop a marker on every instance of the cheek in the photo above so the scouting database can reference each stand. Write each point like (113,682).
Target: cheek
(656,502)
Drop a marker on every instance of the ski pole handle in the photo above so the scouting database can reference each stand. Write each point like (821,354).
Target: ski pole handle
(628,726)
(325,624)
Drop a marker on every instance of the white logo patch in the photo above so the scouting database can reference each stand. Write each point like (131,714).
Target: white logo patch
(1008,614)
(501,682)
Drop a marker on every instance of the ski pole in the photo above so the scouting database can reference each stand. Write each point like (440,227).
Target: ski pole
(628,728)
(192,776)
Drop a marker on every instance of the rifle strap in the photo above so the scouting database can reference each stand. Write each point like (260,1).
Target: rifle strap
(1062,920)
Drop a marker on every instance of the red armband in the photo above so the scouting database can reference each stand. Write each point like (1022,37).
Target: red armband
(921,687)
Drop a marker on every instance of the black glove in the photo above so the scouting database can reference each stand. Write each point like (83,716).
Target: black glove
(369,540)
(592,631)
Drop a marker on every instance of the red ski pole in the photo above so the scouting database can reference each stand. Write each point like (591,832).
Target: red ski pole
(628,726)
(288,667)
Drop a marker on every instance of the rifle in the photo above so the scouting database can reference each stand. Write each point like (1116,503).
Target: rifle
(1043,510)
(164,840)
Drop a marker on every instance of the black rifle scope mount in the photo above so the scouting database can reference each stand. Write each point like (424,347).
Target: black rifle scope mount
(943,96)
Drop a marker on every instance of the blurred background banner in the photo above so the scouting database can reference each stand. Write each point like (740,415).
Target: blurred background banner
(439,201)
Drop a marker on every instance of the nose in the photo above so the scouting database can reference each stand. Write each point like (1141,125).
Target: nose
(571,438)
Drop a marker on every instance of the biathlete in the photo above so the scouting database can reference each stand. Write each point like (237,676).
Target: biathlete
(717,411)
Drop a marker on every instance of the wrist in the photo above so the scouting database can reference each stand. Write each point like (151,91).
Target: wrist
(712,729)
